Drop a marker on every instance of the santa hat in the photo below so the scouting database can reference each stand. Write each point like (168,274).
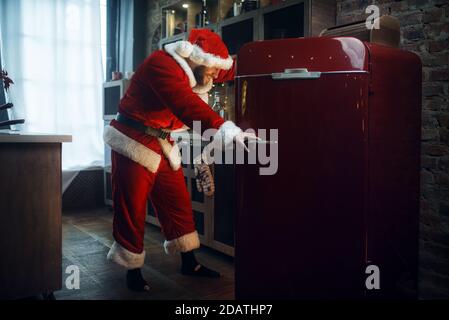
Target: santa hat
(205,47)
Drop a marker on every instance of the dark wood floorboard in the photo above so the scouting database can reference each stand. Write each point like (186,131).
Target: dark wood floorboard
(87,236)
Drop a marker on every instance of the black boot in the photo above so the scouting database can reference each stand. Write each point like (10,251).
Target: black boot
(191,267)
(135,281)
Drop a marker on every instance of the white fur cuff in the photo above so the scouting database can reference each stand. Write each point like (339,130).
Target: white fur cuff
(227,132)
(125,258)
(222,140)
(184,243)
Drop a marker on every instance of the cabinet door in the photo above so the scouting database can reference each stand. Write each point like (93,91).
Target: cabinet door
(224,203)
(289,20)
(239,30)
(30,219)
(202,205)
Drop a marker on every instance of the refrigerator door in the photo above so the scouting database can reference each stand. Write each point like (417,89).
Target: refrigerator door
(300,232)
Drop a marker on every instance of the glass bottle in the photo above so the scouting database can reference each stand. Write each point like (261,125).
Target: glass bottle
(218,105)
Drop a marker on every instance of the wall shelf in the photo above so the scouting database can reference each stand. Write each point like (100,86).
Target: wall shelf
(283,19)
(176,18)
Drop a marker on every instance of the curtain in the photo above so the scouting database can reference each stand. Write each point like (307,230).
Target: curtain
(126,35)
(52,51)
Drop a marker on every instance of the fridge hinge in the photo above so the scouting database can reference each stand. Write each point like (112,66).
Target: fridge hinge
(370,85)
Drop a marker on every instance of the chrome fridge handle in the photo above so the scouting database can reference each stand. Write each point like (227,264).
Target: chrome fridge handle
(297,73)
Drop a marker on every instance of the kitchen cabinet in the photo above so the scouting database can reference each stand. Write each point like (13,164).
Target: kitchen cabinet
(30,214)
(272,20)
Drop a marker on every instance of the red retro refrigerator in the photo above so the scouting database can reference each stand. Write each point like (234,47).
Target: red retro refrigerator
(345,196)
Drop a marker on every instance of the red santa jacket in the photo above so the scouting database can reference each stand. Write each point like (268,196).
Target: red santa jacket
(163,93)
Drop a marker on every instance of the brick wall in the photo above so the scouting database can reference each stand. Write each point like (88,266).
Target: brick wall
(425,31)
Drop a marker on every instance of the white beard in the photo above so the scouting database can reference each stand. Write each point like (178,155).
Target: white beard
(203,91)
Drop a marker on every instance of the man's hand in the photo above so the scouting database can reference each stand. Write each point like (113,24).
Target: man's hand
(251,137)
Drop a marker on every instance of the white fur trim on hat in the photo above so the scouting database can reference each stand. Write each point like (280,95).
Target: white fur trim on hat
(210,60)
(184,243)
(125,258)
(192,51)
(132,149)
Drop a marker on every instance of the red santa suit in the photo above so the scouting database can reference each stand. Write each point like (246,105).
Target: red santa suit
(163,94)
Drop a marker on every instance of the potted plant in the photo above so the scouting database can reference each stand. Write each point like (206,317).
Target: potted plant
(7,81)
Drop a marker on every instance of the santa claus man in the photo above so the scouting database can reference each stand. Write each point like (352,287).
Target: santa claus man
(168,92)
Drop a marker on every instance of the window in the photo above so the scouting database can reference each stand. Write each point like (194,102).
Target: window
(103,13)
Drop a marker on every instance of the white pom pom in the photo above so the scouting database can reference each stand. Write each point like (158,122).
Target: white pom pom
(184,49)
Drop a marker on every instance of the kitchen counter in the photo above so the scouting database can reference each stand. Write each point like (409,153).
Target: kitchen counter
(30,213)
(11,136)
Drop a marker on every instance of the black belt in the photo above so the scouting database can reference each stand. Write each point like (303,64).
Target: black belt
(141,127)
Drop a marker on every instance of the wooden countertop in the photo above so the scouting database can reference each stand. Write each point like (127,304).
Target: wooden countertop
(11,136)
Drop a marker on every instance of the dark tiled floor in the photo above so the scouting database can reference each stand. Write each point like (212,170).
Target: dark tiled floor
(86,241)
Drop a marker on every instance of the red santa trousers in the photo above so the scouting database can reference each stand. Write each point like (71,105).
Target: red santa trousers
(132,186)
